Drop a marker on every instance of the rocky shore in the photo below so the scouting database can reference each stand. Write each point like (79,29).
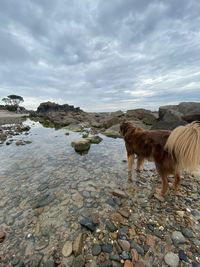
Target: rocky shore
(58,208)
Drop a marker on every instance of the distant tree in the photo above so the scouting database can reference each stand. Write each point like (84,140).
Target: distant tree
(15,100)
(6,100)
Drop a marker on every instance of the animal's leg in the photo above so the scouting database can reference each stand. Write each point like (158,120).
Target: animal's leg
(140,162)
(165,186)
(130,165)
(177,182)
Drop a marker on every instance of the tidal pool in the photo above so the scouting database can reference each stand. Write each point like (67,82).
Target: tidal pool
(46,187)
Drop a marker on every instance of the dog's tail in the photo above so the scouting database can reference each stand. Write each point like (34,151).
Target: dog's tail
(184,145)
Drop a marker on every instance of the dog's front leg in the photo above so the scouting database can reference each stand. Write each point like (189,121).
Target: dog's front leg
(130,165)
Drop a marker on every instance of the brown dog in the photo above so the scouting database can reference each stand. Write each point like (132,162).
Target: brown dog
(172,152)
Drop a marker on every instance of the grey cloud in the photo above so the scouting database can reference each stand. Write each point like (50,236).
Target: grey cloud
(91,53)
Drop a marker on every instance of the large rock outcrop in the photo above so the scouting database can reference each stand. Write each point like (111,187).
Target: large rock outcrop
(171,116)
(47,107)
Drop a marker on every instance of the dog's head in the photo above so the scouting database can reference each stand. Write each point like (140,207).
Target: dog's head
(124,126)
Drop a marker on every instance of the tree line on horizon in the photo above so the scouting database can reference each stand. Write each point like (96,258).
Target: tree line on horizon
(12,102)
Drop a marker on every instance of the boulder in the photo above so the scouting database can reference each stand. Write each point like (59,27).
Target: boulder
(171,116)
(146,116)
(190,117)
(81,145)
(94,139)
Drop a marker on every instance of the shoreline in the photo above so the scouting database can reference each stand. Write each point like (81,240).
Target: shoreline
(7,117)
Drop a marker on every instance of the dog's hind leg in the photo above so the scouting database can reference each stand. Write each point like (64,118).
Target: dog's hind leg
(165,186)
(140,162)
(177,182)
(130,165)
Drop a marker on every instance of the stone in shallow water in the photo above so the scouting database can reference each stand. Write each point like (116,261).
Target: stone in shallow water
(67,249)
(88,224)
(95,139)
(96,250)
(171,259)
(44,201)
(81,145)
(78,244)
(119,193)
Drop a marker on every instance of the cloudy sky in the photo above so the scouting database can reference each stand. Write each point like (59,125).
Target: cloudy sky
(100,55)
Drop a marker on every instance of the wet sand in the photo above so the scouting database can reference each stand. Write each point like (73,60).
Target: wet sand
(7,117)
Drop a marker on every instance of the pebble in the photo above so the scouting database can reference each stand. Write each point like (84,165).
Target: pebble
(111,226)
(108,248)
(88,224)
(182,255)
(187,232)
(178,238)
(128,263)
(171,259)
(78,244)
(139,249)
(124,244)
(67,249)
(96,249)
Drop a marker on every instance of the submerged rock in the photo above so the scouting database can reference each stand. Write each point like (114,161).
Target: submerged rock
(81,145)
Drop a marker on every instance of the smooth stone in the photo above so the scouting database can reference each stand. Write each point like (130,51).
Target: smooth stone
(78,244)
(96,249)
(111,226)
(171,259)
(15,261)
(128,263)
(81,145)
(187,232)
(95,139)
(88,224)
(124,244)
(139,249)
(182,255)
(67,249)
(178,238)
(108,248)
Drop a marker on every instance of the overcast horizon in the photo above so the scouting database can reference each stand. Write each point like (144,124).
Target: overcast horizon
(100,55)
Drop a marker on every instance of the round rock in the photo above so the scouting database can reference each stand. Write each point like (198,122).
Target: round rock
(171,259)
